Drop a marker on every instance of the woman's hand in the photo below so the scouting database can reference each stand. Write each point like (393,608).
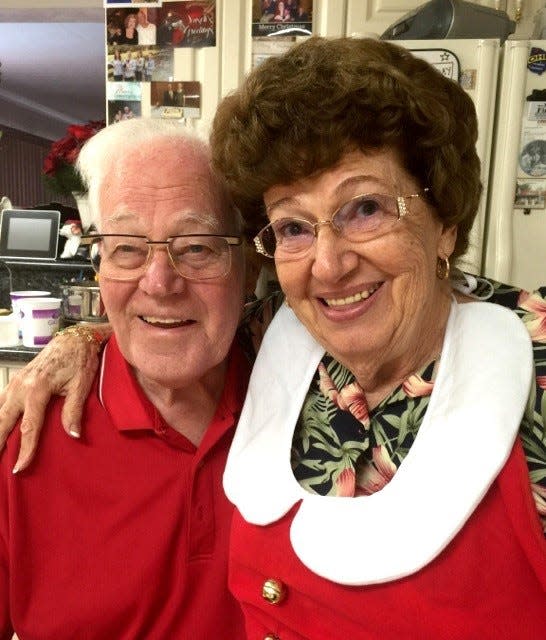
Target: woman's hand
(66,366)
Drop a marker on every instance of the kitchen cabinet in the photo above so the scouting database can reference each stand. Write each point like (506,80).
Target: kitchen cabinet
(12,359)
(7,370)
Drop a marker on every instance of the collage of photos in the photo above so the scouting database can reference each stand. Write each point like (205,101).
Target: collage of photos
(143,36)
(141,39)
(530,194)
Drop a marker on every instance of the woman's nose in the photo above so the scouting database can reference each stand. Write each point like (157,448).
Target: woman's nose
(160,277)
(333,257)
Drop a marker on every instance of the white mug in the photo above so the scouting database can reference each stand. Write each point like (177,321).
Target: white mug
(16,297)
(39,320)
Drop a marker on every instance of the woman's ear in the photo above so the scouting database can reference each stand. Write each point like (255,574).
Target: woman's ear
(446,242)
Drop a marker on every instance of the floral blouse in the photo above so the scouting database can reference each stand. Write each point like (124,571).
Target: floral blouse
(341,448)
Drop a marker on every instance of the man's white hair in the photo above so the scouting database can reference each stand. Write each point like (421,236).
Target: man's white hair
(110,147)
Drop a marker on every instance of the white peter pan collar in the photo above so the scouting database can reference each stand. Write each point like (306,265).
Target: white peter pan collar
(465,438)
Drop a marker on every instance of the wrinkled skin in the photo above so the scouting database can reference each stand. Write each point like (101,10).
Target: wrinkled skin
(66,367)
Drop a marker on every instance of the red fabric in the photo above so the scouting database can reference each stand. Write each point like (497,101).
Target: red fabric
(489,583)
(124,533)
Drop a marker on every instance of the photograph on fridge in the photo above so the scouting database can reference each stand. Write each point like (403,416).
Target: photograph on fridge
(277,17)
(175,100)
(532,159)
(191,23)
(119,110)
(132,25)
(124,101)
(139,64)
(128,91)
(530,194)
(537,112)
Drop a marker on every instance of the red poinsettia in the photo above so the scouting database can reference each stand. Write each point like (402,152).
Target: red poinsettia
(58,169)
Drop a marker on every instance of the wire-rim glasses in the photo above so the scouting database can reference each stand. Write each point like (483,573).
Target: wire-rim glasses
(193,256)
(362,218)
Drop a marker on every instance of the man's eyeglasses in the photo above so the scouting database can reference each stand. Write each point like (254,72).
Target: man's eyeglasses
(193,256)
(362,218)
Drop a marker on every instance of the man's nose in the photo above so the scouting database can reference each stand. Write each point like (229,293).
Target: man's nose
(160,277)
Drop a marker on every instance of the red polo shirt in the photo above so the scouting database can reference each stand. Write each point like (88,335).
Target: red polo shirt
(124,533)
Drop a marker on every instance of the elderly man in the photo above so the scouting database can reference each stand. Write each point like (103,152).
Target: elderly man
(124,533)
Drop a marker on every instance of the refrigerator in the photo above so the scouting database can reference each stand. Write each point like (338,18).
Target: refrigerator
(508,86)
(475,64)
(515,238)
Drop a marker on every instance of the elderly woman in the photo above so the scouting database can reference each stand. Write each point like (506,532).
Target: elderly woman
(385,464)
(382,380)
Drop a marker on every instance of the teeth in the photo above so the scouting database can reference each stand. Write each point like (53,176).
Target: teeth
(357,297)
(153,320)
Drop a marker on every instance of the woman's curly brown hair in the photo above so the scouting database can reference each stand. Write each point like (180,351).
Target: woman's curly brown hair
(297,115)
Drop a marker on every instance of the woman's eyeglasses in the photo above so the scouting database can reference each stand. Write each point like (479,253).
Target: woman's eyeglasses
(193,256)
(362,218)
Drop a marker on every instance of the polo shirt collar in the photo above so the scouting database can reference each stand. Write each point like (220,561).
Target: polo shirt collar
(130,409)
(121,395)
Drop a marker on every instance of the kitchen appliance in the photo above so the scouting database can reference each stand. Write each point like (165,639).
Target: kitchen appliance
(515,241)
(451,19)
(475,65)
(507,86)
(9,335)
(82,302)
(28,234)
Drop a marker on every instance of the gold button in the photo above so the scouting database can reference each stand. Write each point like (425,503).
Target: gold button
(273,591)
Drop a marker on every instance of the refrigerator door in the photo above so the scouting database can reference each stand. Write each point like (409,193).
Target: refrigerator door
(475,64)
(515,249)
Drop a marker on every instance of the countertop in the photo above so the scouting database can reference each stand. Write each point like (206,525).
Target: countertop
(18,275)
(18,354)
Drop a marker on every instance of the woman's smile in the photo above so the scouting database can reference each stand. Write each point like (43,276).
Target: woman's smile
(350,299)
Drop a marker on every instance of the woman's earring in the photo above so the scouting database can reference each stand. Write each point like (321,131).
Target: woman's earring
(442,268)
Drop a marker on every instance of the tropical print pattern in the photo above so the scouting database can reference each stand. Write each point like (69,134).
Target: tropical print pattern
(340,448)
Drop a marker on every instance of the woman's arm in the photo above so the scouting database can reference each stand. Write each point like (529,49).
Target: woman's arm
(67,367)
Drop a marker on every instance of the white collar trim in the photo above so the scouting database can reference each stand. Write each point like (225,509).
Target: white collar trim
(458,452)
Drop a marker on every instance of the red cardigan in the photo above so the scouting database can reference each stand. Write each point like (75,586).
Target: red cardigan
(489,583)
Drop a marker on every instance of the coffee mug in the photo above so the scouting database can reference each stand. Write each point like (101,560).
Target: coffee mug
(16,297)
(39,320)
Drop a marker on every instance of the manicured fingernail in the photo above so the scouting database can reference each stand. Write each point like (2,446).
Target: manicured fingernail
(16,469)
(74,433)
